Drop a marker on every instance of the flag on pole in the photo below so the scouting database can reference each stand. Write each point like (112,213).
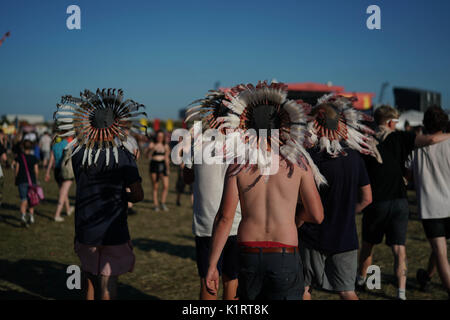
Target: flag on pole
(169,125)
(156,124)
(6,35)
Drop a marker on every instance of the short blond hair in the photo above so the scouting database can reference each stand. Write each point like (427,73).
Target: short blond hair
(385,113)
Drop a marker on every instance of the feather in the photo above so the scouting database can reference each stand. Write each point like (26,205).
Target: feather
(67,134)
(97,153)
(85,153)
(65,127)
(107,154)
(71,144)
(90,156)
(116,154)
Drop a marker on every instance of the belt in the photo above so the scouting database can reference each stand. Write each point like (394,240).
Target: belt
(269,250)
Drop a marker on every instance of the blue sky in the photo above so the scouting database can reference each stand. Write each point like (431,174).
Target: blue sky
(165,54)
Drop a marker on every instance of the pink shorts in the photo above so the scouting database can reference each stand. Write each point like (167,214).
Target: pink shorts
(106,260)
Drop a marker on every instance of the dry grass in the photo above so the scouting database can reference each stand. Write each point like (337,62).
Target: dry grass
(33,260)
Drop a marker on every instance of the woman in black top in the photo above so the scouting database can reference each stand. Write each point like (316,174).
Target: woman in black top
(159,152)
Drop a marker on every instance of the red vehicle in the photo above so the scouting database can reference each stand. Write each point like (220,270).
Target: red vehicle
(310,92)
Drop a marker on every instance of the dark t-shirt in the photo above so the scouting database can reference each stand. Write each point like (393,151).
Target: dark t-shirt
(345,175)
(387,178)
(101,203)
(22,174)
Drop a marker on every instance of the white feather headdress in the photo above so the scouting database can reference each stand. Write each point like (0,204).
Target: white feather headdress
(98,122)
(258,107)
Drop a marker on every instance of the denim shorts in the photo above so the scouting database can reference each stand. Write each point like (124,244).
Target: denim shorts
(23,191)
(270,276)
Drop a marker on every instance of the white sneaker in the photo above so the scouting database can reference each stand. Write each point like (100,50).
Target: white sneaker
(59,219)
(164,207)
(31,218)
(23,219)
(69,213)
(156,208)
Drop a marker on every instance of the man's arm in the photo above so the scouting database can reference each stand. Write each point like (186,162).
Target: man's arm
(3,158)
(136,193)
(312,210)
(16,165)
(423,140)
(366,198)
(221,229)
(36,171)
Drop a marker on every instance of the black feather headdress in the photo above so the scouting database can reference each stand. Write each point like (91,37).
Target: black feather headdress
(98,122)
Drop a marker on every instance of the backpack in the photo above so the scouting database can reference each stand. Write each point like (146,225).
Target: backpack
(66,165)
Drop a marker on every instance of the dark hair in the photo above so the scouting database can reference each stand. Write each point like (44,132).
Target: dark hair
(156,136)
(435,119)
(27,145)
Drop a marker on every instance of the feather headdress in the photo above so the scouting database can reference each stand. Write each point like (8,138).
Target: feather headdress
(334,120)
(262,107)
(98,122)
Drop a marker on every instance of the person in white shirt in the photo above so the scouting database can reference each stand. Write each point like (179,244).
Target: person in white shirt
(208,183)
(431,169)
(45,146)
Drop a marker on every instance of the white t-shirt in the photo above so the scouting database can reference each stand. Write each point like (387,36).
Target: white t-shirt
(45,142)
(431,166)
(208,188)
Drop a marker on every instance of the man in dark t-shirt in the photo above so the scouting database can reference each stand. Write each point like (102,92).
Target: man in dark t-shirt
(329,250)
(388,214)
(102,239)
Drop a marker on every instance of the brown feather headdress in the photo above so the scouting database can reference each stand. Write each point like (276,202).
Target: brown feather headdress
(252,108)
(335,124)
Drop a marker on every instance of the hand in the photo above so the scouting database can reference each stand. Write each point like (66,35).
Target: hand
(47,177)
(212,281)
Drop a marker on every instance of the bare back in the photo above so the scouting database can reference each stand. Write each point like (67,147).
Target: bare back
(268,208)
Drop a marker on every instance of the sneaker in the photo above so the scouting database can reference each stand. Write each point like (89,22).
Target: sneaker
(59,219)
(31,218)
(156,208)
(423,278)
(69,213)
(23,220)
(164,207)
(360,284)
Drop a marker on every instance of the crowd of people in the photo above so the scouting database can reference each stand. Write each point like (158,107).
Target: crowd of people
(270,236)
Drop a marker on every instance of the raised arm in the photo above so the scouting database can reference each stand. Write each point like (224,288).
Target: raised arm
(423,140)
(312,210)
(221,229)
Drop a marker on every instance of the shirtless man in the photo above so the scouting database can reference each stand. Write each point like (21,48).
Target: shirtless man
(270,265)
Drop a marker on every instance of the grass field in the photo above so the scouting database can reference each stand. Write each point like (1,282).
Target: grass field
(33,260)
